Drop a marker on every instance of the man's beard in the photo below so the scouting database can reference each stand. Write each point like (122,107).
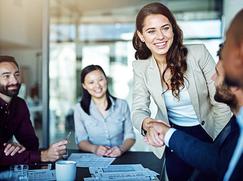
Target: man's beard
(231,82)
(223,95)
(11,93)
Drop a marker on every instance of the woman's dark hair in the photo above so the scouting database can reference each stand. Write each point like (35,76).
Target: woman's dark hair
(86,97)
(176,56)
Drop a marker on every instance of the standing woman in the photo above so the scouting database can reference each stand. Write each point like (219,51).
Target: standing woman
(178,78)
(102,122)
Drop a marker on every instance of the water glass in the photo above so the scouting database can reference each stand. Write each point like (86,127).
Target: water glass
(20,172)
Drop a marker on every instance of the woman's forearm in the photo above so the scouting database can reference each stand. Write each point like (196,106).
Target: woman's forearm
(127,144)
(87,146)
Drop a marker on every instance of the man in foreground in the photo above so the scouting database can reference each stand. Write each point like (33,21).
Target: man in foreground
(233,65)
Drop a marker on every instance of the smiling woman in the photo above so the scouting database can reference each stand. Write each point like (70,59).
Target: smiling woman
(157,26)
(96,84)
(102,122)
(178,78)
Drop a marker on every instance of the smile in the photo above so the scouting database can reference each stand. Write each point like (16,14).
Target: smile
(161,44)
(98,91)
(13,87)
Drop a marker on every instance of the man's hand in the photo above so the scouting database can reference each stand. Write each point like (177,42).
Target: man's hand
(156,132)
(54,152)
(160,126)
(13,148)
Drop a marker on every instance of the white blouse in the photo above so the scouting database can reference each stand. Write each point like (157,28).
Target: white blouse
(111,130)
(180,112)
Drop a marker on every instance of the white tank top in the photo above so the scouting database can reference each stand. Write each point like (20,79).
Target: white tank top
(180,112)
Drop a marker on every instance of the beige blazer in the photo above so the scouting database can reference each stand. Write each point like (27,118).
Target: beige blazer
(213,116)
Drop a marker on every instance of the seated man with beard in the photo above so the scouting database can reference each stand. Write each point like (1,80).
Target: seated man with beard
(15,121)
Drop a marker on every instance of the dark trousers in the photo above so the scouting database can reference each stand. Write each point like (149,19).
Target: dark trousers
(177,169)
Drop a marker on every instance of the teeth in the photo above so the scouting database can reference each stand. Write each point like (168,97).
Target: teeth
(12,87)
(98,91)
(162,44)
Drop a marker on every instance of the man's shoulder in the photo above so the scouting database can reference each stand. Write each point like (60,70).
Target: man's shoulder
(234,127)
(19,100)
(230,127)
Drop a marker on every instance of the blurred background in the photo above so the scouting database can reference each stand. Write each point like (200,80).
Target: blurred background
(53,40)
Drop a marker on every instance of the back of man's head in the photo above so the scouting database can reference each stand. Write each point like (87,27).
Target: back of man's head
(236,28)
(5,58)
(233,52)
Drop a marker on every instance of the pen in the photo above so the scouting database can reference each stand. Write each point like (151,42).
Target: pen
(68,136)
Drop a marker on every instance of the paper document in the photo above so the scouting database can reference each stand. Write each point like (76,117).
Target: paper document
(121,179)
(90,160)
(41,174)
(117,168)
(123,172)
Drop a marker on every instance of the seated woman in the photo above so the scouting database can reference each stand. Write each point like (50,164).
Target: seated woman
(102,122)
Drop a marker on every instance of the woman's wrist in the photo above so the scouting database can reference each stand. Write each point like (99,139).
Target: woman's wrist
(145,127)
(94,149)
(145,124)
(122,149)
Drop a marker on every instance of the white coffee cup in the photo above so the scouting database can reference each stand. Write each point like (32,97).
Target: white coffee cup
(65,170)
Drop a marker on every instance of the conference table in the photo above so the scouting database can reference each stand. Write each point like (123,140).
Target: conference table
(147,159)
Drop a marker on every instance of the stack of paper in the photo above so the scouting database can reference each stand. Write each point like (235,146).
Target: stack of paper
(90,160)
(127,172)
(41,175)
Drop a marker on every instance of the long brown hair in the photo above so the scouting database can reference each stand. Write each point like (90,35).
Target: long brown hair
(176,56)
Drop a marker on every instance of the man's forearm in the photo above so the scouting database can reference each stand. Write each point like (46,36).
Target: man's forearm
(199,154)
(25,157)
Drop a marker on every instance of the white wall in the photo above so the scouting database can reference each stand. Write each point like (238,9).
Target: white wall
(21,22)
(21,35)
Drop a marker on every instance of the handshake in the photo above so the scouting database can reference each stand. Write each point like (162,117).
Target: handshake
(156,131)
